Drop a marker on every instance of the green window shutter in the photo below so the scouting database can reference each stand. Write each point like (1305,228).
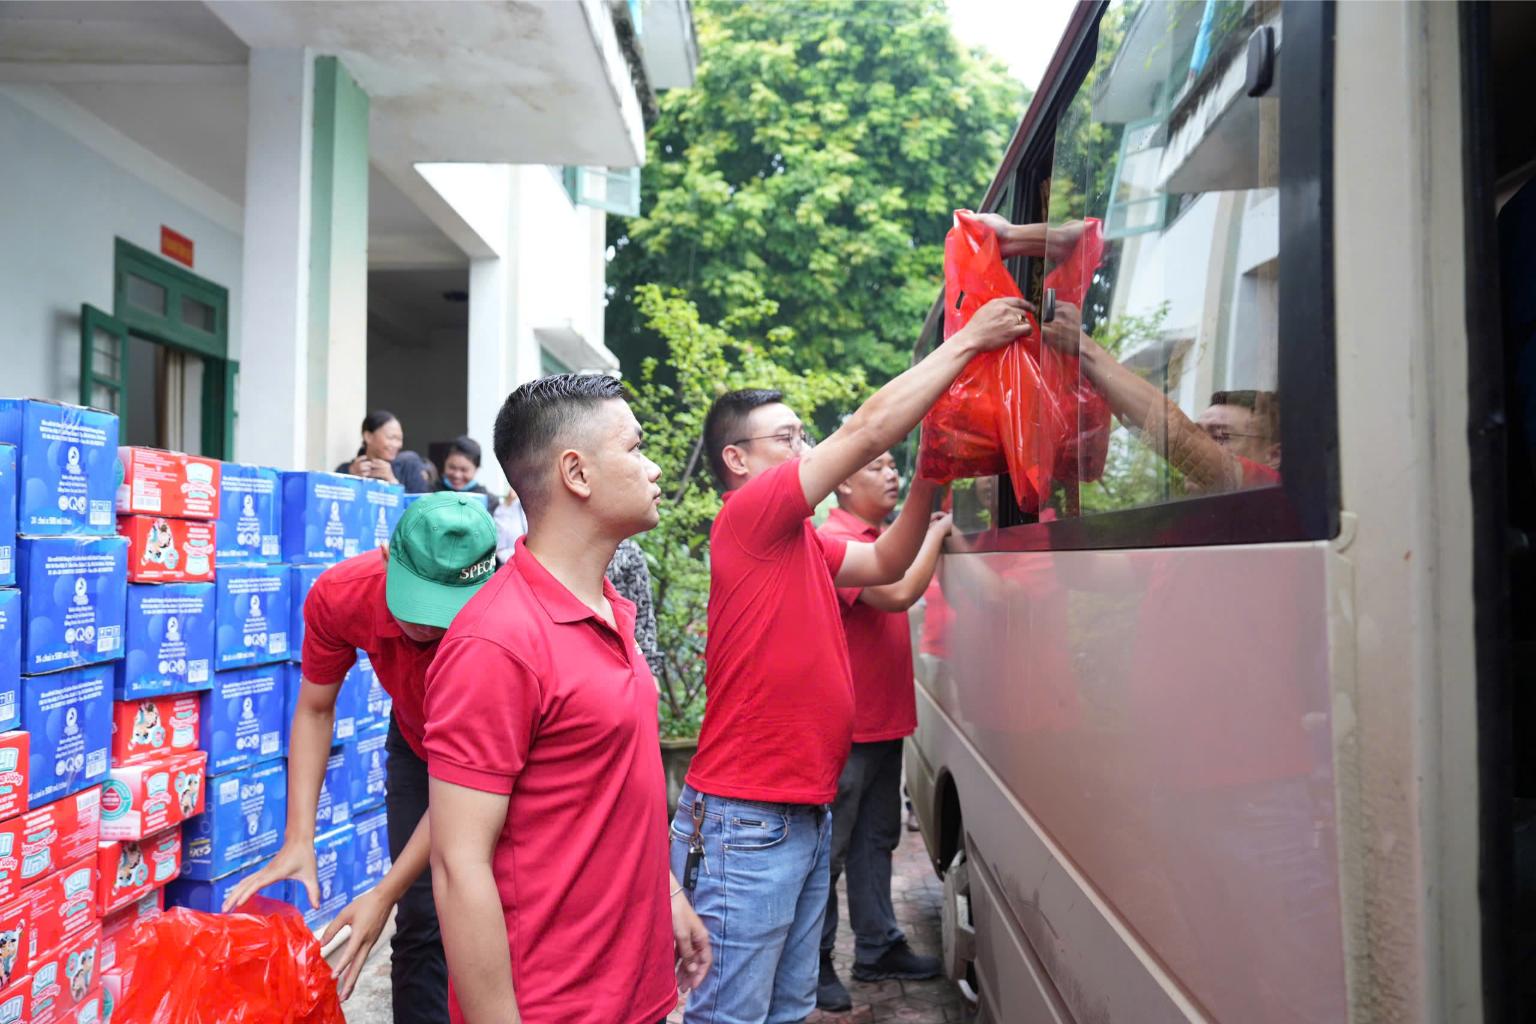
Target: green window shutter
(103,360)
(220,380)
(612,190)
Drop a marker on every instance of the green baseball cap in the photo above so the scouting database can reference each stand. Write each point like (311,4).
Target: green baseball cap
(442,550)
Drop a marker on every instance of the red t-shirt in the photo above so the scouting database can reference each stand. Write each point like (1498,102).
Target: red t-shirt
(778,718)
(535,697)
(879,649)
(345,611)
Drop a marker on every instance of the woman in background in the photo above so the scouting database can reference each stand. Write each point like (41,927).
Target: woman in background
(461,466)
(379,456)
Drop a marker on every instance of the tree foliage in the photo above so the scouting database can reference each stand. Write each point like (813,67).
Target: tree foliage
(808,178)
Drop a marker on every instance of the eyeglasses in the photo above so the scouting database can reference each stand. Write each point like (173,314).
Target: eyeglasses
(795,440)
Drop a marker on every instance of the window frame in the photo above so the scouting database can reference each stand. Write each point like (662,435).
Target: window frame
(1305,506)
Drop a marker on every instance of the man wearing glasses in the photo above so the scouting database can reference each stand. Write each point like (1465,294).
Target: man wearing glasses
(752,834)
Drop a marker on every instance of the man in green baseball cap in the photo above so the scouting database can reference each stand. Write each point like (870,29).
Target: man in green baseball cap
(394,604)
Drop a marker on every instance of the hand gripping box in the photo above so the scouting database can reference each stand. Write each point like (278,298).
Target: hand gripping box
(164,550)
(149,797)
(384,505)
(162,483)
(66,984)
(66,467)
(15,767)
(208,895)
(130,869)
(74,597)
(63,905)
(168,640)
(16,939)
(250,515)
(252,611)
(366,771)
(10,658)
(244,717)
(69,717)
(7,515)
(335,853)
(301,580)
(335,806)
(242,825)
(370,861)
(155,727)
(54,836)
(323,517)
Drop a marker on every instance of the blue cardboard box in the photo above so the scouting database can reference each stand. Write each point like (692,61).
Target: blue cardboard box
(250,516)
(335,807)
(370,862)
(67,467)
(334,856)
(301,579)
(323,517)
(209,896)
(385,504)
(243,823)
(243,717)
(10,659)
(366,771)
(167,639)
(74,600)
(69,717)
(352,700)
(253,613)
(7,515)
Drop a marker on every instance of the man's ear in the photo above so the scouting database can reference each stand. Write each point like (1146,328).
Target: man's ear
(575,473)
(845,490)
(735,460)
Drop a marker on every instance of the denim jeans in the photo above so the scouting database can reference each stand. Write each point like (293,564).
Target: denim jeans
(418,972)
(761,892)
(866,827)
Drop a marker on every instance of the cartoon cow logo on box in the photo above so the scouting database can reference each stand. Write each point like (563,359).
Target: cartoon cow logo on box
(10,945)
(147,728)
(131,869)
(81,967)
(187,786)
(160,549)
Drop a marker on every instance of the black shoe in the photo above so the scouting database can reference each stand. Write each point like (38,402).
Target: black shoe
(898,962)
(830,993)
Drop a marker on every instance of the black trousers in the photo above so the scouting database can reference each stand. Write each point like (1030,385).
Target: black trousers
(418,973)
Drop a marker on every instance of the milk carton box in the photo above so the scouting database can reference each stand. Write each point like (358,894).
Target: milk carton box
(384,504)
(368,697)
(73,598)
(168,640)
(366,770)
(66,988)
(66,466)
(154,727)
(370,862)
(242,826)
(244,717)
(252,614)
(117,928)
(323,517)
(142,799)
(15,772)
(300,581)
(69,717)
(10,658)
(7,515)
(56,835)
(334,853)
(16,939)
(208,896)
(352,701)
(335,806)
(130,869)
(165,550)
(250,512)
(16,1000)
(162,483)
(63,906)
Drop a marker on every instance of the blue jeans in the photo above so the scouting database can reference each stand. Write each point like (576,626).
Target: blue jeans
(762,891)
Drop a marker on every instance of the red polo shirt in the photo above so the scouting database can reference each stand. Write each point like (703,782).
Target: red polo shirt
(535,697)
(345,611)
(879,649)
(778,718)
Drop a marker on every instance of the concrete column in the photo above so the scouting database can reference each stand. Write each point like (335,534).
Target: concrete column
(275,315)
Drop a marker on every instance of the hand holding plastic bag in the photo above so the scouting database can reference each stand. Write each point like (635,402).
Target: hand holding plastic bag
(259,967)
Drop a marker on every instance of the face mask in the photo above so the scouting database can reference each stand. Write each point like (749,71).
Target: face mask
(451,487)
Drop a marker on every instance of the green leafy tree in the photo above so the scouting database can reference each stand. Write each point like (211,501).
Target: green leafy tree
(703,360)
(809,177)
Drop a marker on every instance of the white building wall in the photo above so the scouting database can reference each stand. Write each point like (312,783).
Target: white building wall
(64,204)
(561,270)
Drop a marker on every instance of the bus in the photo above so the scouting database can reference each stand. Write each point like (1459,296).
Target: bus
(1233,721)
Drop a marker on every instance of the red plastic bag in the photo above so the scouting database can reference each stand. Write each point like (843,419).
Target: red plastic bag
(261,967)
(1086,444)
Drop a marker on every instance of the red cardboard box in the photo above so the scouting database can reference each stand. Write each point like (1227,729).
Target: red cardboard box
(165,550)
(66,981)
(165,483)
(63,905)
(15,759)
(11,881)
(16,1001)
(15,940)
(130,870)
(154,727)
(117,929)
(58,834)
(140,799)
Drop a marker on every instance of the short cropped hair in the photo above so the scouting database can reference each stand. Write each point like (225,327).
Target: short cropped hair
(466,446)
(1265,406)
(725,421)
(540,417)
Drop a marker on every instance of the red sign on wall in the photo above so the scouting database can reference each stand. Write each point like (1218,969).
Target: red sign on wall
(175,245)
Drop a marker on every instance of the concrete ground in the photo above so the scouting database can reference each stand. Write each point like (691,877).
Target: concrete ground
(917,893)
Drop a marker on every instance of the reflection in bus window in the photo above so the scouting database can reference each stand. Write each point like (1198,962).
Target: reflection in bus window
(1180,329)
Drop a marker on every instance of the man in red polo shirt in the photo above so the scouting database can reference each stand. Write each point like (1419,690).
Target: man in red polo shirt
(866,816)
(753,820)
(395,603)
(549,846)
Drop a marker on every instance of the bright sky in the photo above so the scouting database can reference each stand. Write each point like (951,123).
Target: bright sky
(1021,33)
